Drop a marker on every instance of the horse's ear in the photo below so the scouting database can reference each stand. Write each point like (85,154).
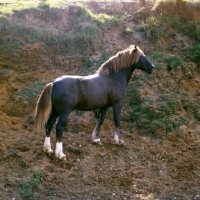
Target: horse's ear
(135,49)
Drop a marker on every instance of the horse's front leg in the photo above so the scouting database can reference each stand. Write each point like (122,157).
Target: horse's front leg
(59,131)
(116,114)
(95,134)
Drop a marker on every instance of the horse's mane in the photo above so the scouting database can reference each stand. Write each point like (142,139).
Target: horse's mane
(122,59)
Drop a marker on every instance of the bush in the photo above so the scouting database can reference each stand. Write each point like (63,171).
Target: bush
(194,54)
(28,186)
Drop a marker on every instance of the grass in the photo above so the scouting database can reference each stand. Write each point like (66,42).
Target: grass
(18,159)
(171,62)
(174,14)
(158,59)
(29,185)
(8,44)
(174,61)
(153,28)
(30,93)
(155,118)
(82,35)
(8,7)
(159,116)
(194,53)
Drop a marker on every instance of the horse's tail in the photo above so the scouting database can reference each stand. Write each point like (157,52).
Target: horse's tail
(43,107)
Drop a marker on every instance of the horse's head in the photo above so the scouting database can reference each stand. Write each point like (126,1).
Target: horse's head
(143,63)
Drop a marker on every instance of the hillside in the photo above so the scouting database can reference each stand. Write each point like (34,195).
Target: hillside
(160,120)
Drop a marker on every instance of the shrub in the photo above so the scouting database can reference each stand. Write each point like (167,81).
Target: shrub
(30,93)
(194,53)
(28,186)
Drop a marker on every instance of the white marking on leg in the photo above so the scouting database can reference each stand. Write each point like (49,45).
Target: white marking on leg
(116,138)
(95,139)
(59,151)
(47,145)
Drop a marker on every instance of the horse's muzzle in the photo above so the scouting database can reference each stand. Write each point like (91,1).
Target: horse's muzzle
(152,67)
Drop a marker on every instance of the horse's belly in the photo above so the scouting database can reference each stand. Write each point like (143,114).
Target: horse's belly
(92,103)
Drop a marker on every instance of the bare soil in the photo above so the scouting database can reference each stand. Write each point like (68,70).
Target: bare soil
(145,168)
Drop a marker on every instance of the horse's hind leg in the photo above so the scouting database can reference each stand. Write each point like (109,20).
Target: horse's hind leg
(59,131)
(95,134)
(49,126)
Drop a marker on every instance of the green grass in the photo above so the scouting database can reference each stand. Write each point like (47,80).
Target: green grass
(170,62)
(158,60)
(29,185)
(83,35)
(195,108)
(155,118)
(153,28)
(156,27)
(8,44)
(8,7)
(174,61)
(194,53)
(30,93)
(192,30)
(18,159)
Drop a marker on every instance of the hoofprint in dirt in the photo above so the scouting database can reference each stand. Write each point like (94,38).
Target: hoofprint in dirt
(146,168)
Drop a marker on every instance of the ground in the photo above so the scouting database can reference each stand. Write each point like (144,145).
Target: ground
(146,167)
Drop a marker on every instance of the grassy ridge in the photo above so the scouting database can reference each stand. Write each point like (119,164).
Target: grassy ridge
(81,36)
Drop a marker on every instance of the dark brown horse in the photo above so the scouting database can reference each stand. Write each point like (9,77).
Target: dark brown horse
(106,88)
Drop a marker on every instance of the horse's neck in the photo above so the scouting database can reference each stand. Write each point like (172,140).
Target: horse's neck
(124,75)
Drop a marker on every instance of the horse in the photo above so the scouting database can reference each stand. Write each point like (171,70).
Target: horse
(101,90)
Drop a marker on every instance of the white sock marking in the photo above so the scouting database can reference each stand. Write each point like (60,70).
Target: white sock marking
(59,151)
(47,145)
(116,138)
(96,140)
(94,137)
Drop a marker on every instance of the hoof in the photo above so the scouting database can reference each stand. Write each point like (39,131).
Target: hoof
(61,156)
(97,141)
(49,151)
(121,142)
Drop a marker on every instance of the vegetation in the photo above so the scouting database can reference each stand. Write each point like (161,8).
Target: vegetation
(81,36)
(30,93)
(29,185)
(175,14)
(18,159)
(157,117)
(194,54)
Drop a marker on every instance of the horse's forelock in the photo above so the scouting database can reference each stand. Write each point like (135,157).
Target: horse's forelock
(138,53)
